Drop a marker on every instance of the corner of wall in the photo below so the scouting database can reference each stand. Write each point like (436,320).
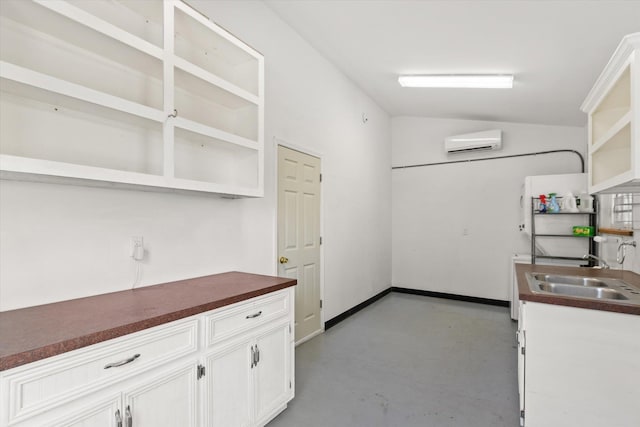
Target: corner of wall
(633,254)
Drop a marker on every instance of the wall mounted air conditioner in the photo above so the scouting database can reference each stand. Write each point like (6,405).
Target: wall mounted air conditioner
(486,140)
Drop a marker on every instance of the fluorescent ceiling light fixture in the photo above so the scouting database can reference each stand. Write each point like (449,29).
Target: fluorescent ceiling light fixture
(489,81)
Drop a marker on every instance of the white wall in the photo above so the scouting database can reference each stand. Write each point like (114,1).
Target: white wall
(609,248)
(59,242)
(632,259)
(455,227)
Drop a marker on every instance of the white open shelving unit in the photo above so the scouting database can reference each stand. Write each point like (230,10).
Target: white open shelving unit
(613,106)
(149,94)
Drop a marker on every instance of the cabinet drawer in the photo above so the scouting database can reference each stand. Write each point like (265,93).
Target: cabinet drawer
(46,384)
(229,322)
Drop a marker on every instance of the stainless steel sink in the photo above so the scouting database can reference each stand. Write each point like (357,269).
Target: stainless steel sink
(570,280)
(581,291)
(599,288)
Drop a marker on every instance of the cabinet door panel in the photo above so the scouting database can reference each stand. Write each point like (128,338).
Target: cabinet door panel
(521,358)
(167,400)
(229,386)
(272,376)
(101,413)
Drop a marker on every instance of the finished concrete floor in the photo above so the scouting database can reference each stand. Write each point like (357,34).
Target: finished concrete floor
(409,360)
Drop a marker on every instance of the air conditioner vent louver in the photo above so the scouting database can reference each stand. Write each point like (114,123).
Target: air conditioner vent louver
(486,140)
(481,148)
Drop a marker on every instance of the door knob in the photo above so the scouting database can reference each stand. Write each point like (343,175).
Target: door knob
(284,260)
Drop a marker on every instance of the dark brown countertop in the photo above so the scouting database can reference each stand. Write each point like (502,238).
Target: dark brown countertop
(606,305)
(34,333)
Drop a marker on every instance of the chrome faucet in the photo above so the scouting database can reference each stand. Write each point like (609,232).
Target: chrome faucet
(603,263)
(621,253)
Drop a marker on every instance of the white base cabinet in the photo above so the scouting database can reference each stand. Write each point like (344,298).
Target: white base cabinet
(229,367)
(167,399)
(578,367)
(249,362)
(249,380)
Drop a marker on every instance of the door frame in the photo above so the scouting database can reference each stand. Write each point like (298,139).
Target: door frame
(280,142)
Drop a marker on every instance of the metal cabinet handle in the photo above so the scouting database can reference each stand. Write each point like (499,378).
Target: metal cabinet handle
(118,419)
(257,355)
(121,362)
(254,315)
(253,357)
(128,418)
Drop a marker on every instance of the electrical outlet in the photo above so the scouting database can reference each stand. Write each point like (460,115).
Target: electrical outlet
(137,247)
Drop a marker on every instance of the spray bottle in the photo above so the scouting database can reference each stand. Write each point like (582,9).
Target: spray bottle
(543,204)
(553,207)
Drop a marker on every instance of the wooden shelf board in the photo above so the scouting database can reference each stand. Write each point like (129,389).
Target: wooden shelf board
(568,258)
(241,52)
(21,168)
(195,85)
(54,85)
(94,23)
(613,130)
(561,235)
(616,184)
(212,79)
(231,190)
(190,125)
(18,164)
(562,213)
(616,231)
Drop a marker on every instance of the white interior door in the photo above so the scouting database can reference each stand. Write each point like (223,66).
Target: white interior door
(299,234)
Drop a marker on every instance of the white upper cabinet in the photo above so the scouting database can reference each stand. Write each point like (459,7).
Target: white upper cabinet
(144,93)
(613,106)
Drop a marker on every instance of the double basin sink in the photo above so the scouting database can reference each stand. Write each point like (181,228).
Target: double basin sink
(598,288)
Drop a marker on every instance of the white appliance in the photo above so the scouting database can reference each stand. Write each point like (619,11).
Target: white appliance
(485,140)
(534,186)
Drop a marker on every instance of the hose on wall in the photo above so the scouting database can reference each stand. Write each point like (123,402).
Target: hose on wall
(537,153)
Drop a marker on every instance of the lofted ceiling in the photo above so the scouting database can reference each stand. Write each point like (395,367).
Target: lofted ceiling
(556,49)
